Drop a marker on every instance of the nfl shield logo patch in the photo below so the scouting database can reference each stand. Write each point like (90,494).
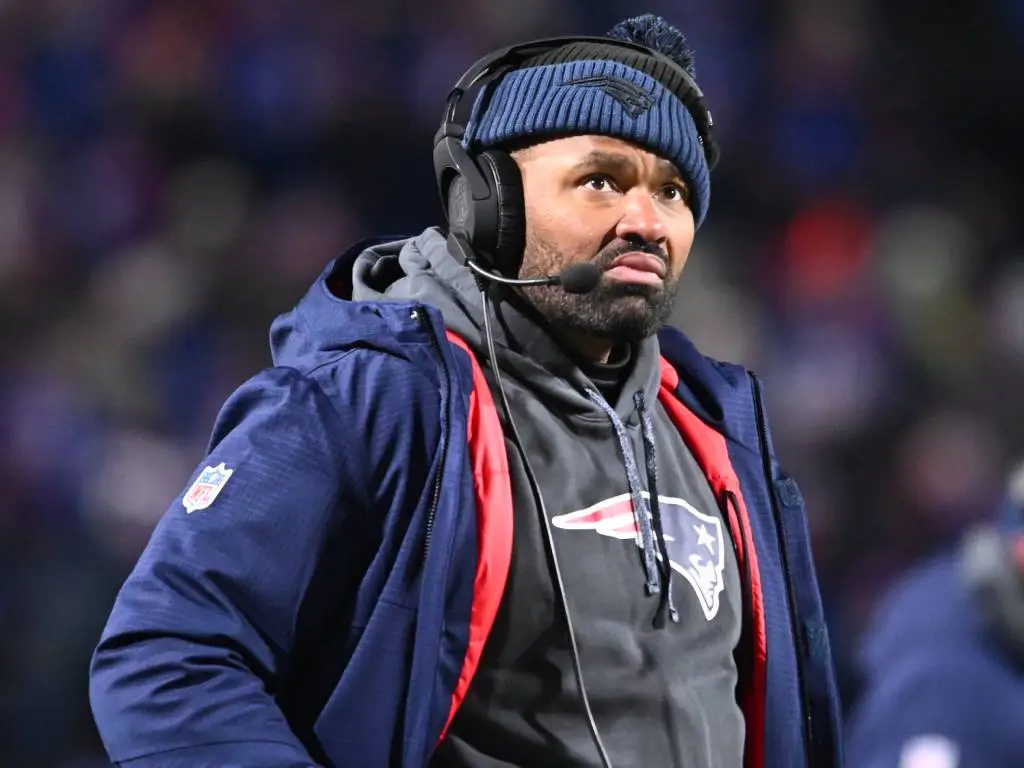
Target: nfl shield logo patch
(206,488)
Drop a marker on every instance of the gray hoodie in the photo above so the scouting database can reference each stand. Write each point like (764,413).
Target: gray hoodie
(655,644)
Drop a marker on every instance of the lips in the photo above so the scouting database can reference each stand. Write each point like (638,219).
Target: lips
(641,262)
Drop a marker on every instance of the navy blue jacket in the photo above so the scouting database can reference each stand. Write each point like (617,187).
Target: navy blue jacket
(320,610)
(937,680)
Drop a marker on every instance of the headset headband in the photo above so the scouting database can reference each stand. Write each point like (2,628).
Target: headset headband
(513,55)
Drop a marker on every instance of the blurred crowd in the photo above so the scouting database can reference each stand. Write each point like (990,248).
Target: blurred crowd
(173,175)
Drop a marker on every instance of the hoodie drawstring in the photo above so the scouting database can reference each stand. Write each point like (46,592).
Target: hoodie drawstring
(647,516)
(650,458)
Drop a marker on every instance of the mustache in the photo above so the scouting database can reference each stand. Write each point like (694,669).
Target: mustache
(607,255)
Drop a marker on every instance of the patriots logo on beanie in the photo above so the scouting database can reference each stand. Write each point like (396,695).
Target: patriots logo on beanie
(588,87)
(634,99)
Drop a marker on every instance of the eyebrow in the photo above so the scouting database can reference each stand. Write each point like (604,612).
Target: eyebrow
(601,159)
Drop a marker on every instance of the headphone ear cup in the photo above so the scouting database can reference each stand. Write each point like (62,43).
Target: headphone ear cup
(507,237)
(459,207)
(450,162)
(494,226)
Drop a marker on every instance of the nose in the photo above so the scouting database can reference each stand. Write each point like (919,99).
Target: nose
(641,218)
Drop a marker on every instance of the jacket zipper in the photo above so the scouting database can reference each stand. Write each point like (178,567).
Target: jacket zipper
(420,316)
(798,635)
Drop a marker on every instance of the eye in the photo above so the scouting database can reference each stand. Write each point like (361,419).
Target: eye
(599,183)
(675,192)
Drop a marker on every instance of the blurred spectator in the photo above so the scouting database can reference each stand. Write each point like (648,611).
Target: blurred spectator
(942,663)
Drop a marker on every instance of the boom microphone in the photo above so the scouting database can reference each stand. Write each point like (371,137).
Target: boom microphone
(578,278)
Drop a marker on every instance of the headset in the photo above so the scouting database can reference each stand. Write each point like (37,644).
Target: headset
(482,191)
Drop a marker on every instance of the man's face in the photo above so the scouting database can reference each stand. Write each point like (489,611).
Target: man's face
(604,200)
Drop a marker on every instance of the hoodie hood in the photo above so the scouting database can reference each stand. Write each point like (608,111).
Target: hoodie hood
(422,270)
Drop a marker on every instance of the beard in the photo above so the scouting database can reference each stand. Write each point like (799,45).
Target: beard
(614,311)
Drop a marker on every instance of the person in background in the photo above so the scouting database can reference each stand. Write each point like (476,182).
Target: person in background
(943,663)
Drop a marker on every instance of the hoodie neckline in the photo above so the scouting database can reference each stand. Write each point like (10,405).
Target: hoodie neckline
(610,377)
(422,269)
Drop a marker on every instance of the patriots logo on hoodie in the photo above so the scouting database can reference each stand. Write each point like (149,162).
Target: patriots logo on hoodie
(695,541)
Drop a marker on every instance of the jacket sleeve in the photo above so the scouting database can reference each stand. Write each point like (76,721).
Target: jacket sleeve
(200,635)
(941,708)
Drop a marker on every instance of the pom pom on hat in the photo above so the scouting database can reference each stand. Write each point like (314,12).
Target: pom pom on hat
(656,33)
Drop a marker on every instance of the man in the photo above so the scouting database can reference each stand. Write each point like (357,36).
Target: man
(944,661)
(463,526)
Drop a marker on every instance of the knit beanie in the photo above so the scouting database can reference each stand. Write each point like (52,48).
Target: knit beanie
(603,89)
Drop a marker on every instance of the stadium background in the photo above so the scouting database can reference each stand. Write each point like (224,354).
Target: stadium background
(173,174)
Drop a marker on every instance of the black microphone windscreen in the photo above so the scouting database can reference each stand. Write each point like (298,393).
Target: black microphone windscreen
(580,278)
